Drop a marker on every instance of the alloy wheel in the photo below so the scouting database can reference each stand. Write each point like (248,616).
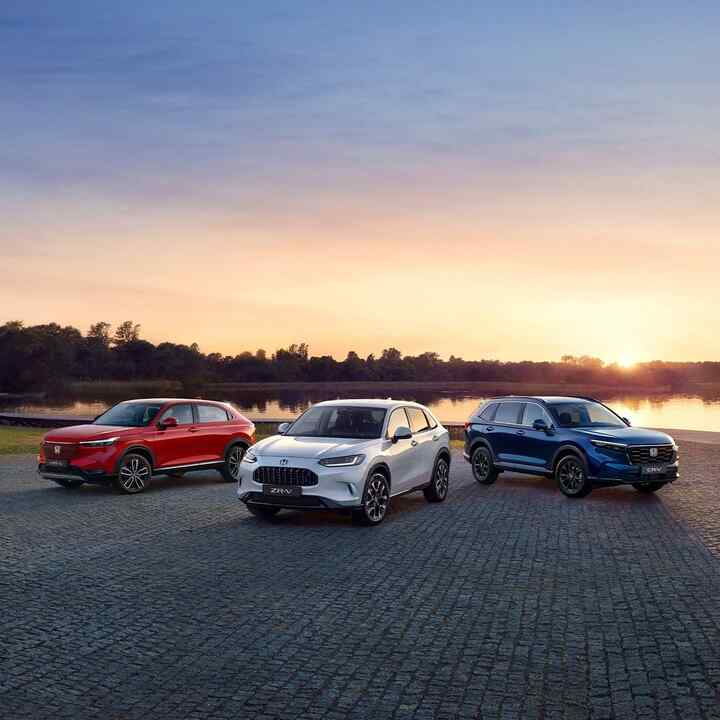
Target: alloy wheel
(442,472)
(134,474)
(481,464)
(377,498)
(571,476)
(234,459)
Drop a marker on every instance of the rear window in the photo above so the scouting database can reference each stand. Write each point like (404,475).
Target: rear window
(509,412)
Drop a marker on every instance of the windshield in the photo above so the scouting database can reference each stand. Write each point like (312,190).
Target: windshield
(129,414)
(339,421)
(585,415)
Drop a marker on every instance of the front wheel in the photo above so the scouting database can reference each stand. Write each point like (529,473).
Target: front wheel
(648,487)
(483,469)
(376,500)
(231,468)
(572,478)
(134,474)
(68,484)
(438,489)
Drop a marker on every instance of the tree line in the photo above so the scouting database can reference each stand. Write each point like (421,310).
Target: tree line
(41,357)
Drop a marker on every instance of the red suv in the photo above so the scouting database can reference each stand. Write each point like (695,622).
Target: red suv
(137,439)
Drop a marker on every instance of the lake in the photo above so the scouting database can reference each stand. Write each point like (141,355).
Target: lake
(691,412)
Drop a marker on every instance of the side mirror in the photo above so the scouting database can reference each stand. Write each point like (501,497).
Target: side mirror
(402,433)
(169,422)
(283,428)
(540,424)
(627,422)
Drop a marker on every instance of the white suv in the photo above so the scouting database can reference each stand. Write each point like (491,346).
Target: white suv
(349,455)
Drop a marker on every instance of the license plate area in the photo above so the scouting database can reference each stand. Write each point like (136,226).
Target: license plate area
(654,469)
(280,491)
(56,463)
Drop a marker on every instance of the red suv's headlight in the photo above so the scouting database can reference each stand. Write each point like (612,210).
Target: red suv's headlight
(98,443)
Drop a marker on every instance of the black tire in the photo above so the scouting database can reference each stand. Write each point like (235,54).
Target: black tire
(134,474)
(572,477)
(68,484)
(438,489)
(376,500)
(484,471)
(262,511)
(649,487)
(231,467)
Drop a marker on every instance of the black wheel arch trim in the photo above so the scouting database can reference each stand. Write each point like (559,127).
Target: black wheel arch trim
(380,466)
(568,449)
(477,443)
(443,452)
(232,442)
(140,450)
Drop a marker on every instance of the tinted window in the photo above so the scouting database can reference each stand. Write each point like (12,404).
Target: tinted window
(509,412)
(489,412)
(532,413)
(418,421)
(339,421)
(182,413)
(211,413)
(130,414)
(398,419)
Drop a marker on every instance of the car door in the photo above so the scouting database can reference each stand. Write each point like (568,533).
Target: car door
(401,456)
(175,445)
(423,435)
(213,431)
(501,433)
(534,447)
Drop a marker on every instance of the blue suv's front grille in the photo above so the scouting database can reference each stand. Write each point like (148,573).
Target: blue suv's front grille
(646,454)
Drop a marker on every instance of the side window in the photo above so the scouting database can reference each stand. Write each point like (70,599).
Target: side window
(398,418)
(488,413)
(509,412)
(182,413)
(211,413)
(432,422)
(534,412)
(418,421)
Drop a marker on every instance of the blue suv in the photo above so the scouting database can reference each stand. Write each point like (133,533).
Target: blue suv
(578,441)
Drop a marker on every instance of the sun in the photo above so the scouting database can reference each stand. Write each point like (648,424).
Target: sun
(626,361)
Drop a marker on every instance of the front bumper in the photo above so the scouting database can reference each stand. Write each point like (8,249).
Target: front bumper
(336,488)
(70,472)
(610,473)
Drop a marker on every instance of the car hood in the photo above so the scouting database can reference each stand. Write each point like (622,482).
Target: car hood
(78,433)
(628,435)
(304,447)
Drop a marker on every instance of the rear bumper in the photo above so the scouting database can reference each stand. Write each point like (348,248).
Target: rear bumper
(72,473)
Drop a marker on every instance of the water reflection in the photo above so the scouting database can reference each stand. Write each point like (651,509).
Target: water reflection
(691,412)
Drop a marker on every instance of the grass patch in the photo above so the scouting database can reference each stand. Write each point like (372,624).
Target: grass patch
(20,440)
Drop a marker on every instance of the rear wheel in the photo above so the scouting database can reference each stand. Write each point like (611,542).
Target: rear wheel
(262,511)
(571,476)
(376,500)
(134,474)
(648,487)
(68,484)
(438,489)
(231,469)
(482,466)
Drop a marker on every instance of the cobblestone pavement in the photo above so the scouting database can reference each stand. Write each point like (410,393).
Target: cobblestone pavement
(507,601)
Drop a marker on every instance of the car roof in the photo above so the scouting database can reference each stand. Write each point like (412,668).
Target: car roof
(164,401)
(548,399)
(385,403)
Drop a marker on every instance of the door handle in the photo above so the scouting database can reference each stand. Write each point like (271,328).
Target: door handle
(193,429)
(489,428)
(436,438)
(520,432)
(413,443)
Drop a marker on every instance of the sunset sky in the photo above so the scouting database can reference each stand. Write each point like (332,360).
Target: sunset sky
(511,180)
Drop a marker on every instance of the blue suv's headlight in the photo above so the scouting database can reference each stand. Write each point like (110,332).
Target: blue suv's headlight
(610,447)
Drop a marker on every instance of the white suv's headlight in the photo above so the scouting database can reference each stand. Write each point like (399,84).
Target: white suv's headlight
(249,457)
(98,443)
(345,461)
